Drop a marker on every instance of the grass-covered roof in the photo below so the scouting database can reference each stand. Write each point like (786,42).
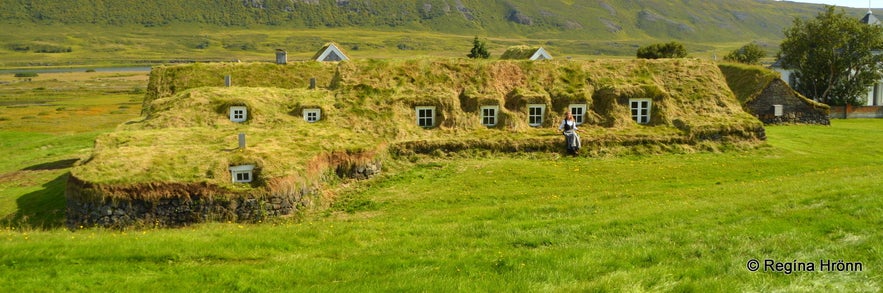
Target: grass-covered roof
(748,81)
(519,52)
(186,136)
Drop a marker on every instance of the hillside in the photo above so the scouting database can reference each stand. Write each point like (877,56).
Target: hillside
(182,149)
(55,32)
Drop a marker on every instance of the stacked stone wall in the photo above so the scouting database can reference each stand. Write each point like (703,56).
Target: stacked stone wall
(794,109)
(87,207)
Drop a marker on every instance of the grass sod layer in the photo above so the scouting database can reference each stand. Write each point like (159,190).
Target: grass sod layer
(187,138)
(674,222)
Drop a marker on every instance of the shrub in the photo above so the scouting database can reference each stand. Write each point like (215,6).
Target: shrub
(666,50)
(749,54)
(26,74)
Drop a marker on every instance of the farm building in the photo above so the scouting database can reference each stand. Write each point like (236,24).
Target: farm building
(766,96)
(525,53)
(187,161)
(330,53)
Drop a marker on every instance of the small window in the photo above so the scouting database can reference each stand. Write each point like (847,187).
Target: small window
(238,114)
(579,113)
(489,115)
(640,110)
(242,173)
(777,110)
(425,116)
(312,115)
(535,114)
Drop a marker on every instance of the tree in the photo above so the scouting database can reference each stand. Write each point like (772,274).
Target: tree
(478,50)
(834,57)
(748,54)
(666,50)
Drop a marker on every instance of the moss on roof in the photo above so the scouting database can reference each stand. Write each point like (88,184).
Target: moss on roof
(519,52)
(186,136)
(325,47)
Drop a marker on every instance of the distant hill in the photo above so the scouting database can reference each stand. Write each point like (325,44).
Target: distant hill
(628,22)
(729,20)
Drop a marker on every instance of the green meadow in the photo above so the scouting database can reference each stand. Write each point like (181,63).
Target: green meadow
(464,222)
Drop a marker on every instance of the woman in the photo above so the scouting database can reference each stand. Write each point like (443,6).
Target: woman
(568,128)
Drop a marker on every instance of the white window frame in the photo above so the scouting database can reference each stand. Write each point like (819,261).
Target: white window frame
(489,120)
(579,119)
(421,119)
(640,110)
(242,173)
(238,117)
(309,114)
(531,115)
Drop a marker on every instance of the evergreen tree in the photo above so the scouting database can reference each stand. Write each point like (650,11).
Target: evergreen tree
(478,50)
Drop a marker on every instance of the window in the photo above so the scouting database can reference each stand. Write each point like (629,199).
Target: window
(238,114)
(579,113)
(425,116)
(312,115)
(489,115)
(535,114)
(777,110)
(242,173)
(640,110)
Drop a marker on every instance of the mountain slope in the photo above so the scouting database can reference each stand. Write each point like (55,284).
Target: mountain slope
(679,19)
(195,28)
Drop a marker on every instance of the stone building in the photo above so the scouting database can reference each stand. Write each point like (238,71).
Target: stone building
(778,103)
(765,95)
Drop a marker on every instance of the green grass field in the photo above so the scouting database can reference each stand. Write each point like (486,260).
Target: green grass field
(46,124)
(532,222)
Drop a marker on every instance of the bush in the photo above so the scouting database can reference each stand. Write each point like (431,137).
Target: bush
(749,54)
(26,74)
(666,50)
(479,50)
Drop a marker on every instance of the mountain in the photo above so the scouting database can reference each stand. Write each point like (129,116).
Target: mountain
(580,24)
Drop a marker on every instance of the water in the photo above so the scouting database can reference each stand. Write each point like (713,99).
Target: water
(63,70)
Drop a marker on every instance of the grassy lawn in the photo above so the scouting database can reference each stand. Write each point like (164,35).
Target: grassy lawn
(46,124)
(531,222)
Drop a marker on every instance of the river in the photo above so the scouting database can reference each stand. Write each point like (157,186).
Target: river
(79,69)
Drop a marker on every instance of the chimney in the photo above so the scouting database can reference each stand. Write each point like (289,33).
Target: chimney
(281,57)
(241,141)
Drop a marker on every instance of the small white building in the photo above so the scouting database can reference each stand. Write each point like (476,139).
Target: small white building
(526,52)
(330,53)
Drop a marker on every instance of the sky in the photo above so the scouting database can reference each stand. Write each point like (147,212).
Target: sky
(846,3)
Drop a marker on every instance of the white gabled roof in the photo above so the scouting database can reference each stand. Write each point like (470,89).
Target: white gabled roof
(331,53)
(541,54)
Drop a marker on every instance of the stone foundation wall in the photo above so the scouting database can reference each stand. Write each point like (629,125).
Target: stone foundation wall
(86,207)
